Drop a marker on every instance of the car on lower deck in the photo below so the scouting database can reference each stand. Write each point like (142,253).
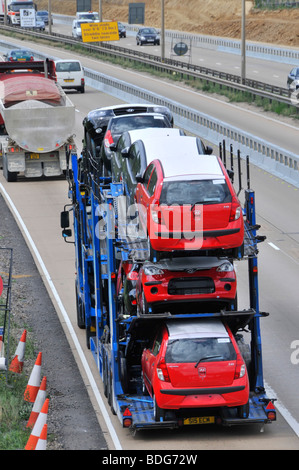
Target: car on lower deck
(191,365)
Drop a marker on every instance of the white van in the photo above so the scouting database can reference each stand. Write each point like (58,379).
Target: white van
(70,74)
(76,28)
(90,16)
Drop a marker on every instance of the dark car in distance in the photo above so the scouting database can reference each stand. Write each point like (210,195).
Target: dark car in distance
(121,30)
(44,16)
(148,36)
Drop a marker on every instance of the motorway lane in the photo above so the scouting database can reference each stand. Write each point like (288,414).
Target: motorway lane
(272,72)
(283,133)
(32,199)
(42,220)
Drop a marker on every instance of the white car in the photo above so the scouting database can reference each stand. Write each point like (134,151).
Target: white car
(70,74)
(76,28)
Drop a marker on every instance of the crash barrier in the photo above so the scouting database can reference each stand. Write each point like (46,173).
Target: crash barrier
(263,51)
(269,157)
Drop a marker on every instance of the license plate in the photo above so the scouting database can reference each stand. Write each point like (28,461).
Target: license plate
(34,156)
(69,79)
(200,420)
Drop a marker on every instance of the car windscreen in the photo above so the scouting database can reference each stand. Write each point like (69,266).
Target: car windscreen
(123,124)
(68,67)
(200,349)
(20,54)
(195,191)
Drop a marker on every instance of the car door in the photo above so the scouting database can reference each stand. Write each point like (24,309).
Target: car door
(150,359)
(142,196)
(118,161)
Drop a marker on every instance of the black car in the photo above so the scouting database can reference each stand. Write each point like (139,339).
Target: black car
(44,16)
(293,79)
(121,30)
(148,36)
(120,124)
(96,122)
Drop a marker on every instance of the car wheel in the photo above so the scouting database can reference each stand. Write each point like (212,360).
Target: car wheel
(82,89)
(159,413)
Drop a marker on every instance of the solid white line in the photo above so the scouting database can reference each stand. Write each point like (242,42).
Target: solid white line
(92,382)
(283,410)
(274,246)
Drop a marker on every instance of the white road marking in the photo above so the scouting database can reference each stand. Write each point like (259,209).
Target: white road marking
(71,330)
(274,246)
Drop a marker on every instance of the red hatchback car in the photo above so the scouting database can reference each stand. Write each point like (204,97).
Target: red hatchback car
(185,284)
(187,202)
(195,365)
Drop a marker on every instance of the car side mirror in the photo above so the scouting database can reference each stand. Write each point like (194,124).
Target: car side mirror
(209,150)
(112,147)
(125,152)
(139,178)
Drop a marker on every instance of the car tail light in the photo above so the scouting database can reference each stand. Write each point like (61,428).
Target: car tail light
(162,370)
(157,215)
(240,367)
(82,81)
(235,211)
(108,140)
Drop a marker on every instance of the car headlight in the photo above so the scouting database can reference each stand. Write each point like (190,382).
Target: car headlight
(152,270)
(225,267)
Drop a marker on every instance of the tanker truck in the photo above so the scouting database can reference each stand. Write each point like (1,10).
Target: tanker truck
(36,121)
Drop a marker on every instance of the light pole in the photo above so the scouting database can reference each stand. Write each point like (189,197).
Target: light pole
(162,32)
(243,46)
(50,16)
(100,11)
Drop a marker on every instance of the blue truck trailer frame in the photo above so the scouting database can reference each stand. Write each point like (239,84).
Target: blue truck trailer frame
(115,337)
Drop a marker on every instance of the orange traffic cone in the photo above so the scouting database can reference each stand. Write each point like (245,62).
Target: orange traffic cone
(18,360)
(34,380)
(42,441)
(39,401)
(38,427)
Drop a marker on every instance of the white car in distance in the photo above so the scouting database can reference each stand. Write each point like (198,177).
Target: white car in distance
(70,74)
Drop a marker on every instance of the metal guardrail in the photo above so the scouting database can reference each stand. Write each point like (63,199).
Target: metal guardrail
(271,158)
(265,155)
(254,87)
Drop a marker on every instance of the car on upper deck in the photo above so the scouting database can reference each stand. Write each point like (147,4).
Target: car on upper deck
(186,201)
(96,122)
(121,124)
